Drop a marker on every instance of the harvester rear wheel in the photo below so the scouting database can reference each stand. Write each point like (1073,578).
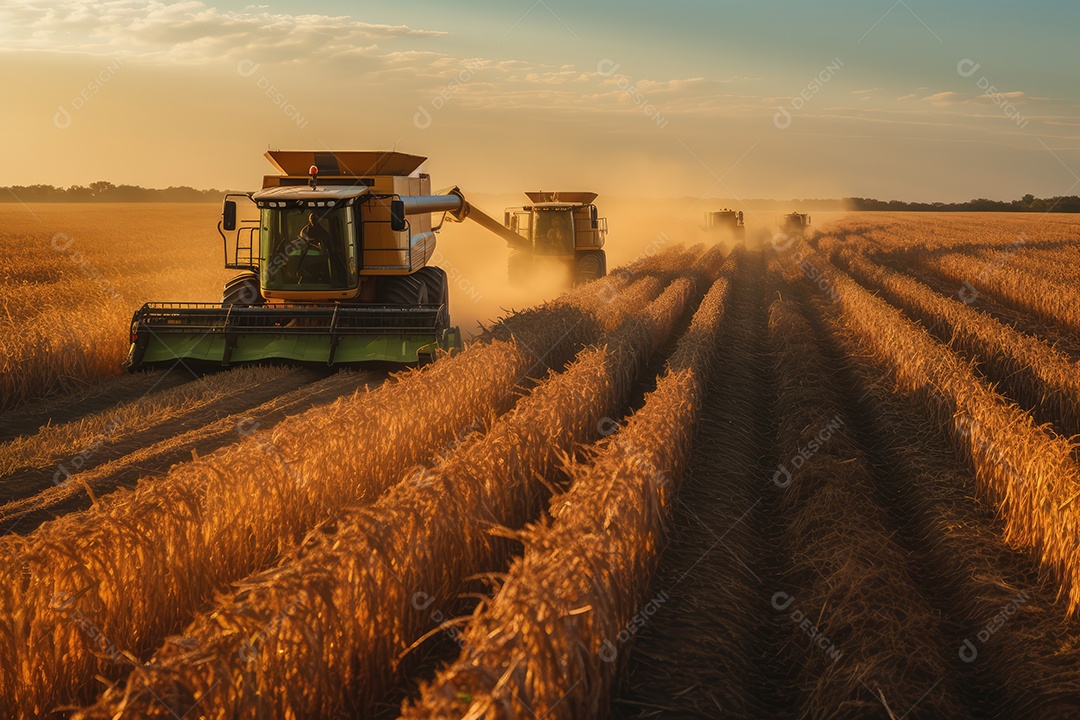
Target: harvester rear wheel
(438,291)
(405,290)
(242,290)
(590,266)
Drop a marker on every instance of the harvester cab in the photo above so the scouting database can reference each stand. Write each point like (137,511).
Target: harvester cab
(726,220)
(794,223)
(333,257)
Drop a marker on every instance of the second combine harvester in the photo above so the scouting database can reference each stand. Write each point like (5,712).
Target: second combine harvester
(334,269)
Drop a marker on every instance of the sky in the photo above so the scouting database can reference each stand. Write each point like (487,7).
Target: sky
(895,99)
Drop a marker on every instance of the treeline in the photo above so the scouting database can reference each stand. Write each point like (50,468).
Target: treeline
(1028,203)
(102,191)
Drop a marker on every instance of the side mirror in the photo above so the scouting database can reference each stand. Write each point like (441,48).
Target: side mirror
(397,216)
(228,215)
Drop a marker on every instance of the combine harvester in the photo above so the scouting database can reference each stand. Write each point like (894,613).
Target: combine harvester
(334,270)
(726,220)
(561,227)
(794,223)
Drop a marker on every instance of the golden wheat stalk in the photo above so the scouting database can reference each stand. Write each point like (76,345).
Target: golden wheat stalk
(1026,292)
(1027,471)
(1037,375)
(859,629)
(350,603)
(138,565)
(543,645)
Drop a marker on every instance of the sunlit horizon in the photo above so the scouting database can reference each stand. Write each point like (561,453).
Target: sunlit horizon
(907,101)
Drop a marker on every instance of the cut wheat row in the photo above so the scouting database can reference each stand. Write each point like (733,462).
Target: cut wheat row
(1028,472)
(709,636)
(872,635)
(545,643)
(331,623)
(1023,291)
(50,444)
(1035,374)
(1019,668)
(1055,266)
(134,568)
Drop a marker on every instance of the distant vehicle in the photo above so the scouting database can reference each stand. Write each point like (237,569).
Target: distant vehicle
(560,225)
(794,223)
(564,227)
(730,220)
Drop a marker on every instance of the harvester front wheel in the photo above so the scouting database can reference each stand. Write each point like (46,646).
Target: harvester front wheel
(242,290)
(438,291)
(590,266)
(403,290)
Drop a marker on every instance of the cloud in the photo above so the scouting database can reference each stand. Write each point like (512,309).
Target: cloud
(403,59)
(398,61)
(942,99)
(1015,96)
(186,32)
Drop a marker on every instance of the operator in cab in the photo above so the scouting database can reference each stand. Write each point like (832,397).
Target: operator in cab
(317,236)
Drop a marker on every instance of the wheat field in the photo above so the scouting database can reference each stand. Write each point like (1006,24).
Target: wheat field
(820,477)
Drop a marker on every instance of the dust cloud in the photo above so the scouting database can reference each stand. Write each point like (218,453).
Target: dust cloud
(475,259)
